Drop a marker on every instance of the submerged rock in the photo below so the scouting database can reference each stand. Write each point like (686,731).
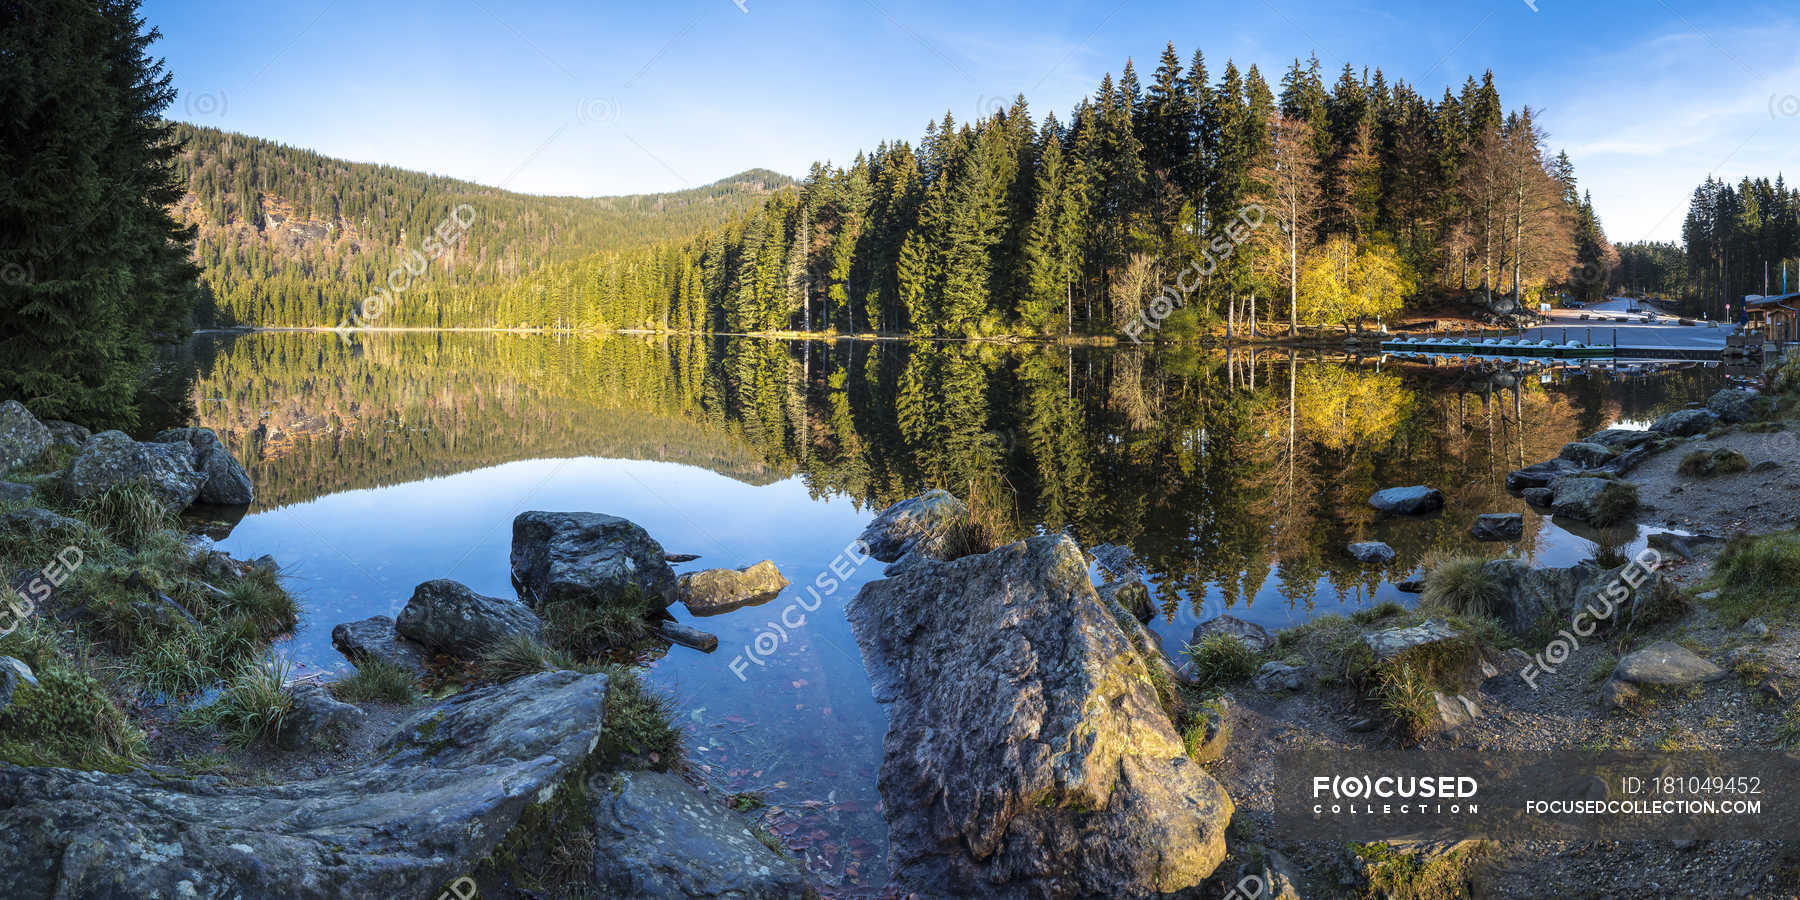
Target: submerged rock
(713,591)
(110,459)
(440,796)
(1067,779)
(447,617)
(1498,527)
(1685,422)
(919,523)
(1372,552)
(658,836)
(1408,501)
(223,479)
(592,559)
(22,437)
(375,638)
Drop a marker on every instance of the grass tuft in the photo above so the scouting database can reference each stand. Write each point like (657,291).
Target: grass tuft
(1220,659)
(1460,585)
(375,680)
(1703,463)
(1758,576)
(1405,695)
(254,706)
(130,513)
(517,655)
(640,723)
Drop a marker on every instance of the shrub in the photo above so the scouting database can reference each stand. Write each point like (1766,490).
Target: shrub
(1758,577)
(254,706)
(1221,659)
(1462,586)
(376,680)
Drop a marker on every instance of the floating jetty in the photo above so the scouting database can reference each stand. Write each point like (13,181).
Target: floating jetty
(1506,347)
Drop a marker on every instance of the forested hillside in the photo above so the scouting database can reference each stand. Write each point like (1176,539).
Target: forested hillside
(1175,206)
(291,237)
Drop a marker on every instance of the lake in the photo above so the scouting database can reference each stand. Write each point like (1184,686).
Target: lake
(382,460)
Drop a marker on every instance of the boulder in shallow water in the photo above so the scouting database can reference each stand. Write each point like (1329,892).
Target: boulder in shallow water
(110,459)
(592,559)
(1498,527)
(1131,594)
(223,479)
(1067,779)
(713,591)
(1540,475)
(1372,552)
(917,524)
(375,638)
(658,836)
(1596,501)
(22,437)
(435,800)
(447,617)
(1408,501)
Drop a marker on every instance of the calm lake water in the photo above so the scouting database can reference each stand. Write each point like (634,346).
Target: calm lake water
(385,460)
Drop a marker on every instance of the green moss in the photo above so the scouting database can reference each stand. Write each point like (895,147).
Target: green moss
(1703,463)
(1396,874)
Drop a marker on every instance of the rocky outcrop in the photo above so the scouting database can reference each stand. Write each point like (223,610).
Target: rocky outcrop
(713,591)
(1408,501)
(442,795)
(1067,779)
(919,523)
(592,559)
(67,434)
(1735,405)
(111,459)
(1498,527)
(223,479)
(1685,422)
(1540,475)
(375,638)
(1371,552)
(658,836)
(22,437)
(447,617)
(1528,595)
(1620,439)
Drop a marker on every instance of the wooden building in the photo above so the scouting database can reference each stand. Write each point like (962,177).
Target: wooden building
(1776,317)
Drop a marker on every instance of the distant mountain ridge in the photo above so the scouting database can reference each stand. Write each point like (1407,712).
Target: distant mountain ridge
(287,236)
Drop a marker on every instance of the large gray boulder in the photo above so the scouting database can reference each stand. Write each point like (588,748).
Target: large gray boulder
(1067,778)
(1541,474)
(375,638)
(919,523)
(1587,455)
(317,719)
(1684,422)
(1371,552)
(1597,501)
(1254,636)
(1527,595)
(67,434)
(446,616)
(591,559)
(22,437)
(437,798)
(1620,439)
(111,458)
(658,836)
(1665,663)
(712,591)
(1408,501)
(1738,405)
(224,481)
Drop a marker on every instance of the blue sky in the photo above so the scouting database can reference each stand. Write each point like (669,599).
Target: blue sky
(609,98)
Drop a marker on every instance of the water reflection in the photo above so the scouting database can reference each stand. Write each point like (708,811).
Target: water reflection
(1237,479)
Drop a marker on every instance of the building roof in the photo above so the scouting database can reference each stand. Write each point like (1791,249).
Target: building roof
(1773,300)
